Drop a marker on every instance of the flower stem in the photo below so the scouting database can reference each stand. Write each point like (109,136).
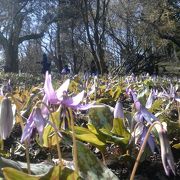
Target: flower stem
(75,156)
(142,149)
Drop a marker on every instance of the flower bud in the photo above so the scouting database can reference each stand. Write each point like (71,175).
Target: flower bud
(118,110)
(166,153)
(6,118)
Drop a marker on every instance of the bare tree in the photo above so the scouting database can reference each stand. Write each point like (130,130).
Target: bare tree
(22,20)
(94,15)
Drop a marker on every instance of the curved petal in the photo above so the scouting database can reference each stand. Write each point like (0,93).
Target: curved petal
(62,88)
(137,132)
(39,122)
(44,110)
(49,90)
(74,101)
(28,128)
(151,141)
(149,100)
(149,117)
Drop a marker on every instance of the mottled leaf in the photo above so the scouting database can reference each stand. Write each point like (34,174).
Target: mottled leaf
(91,167)
(13,174)
(86,135)
(101,117)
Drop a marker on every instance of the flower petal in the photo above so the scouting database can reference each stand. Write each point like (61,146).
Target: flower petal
(62,88)
(138,117)
(39,122)
(166,154)
(49,90)
(118,110)
(151,141)
(149,117)
(74,101)
(149,100)
(6,118)
(27,131)
(44,110)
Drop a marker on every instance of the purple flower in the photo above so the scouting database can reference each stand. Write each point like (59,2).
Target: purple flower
(142,112)
(150,141)
(166,154)
(170,93)
(60,96)
(35,120)
(141,116)
(140,133)
(54,97)
(118,110)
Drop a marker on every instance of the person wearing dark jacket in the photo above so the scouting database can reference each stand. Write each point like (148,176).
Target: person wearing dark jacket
(93,68)
(65,70)
(46,65)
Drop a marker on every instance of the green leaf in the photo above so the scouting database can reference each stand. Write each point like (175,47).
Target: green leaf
(57,173)
(110,138)
(54,173)
(148,83)
(84,134)
(104,100)
(156,105)
(48,134)
(101,117)
(116,93)
(91,167)
(68,174)
(107,137)
(142,95)
(119,129)
(13,174)
(176,146)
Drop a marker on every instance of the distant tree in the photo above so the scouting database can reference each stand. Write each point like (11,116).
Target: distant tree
(164,17)
(20,21)
(30,57)
(94,13)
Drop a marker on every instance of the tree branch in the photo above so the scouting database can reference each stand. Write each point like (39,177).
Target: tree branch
(30,36)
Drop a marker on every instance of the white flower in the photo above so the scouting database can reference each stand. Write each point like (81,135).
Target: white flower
(7,112)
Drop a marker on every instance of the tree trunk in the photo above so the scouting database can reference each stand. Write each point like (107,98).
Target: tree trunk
(58,49)
(11,59)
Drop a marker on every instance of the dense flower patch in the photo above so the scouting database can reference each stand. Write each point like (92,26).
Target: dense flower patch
(98,121)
